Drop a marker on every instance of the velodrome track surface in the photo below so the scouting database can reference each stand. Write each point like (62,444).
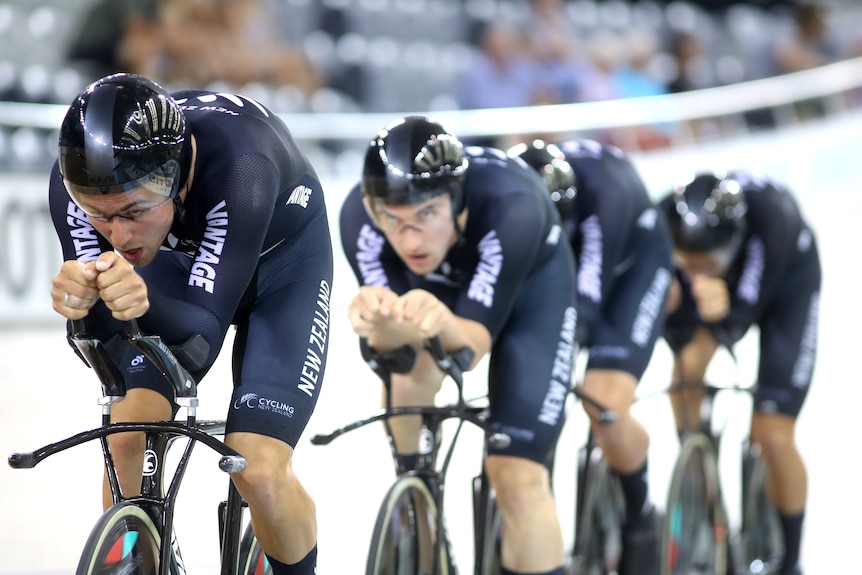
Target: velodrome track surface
(47,394)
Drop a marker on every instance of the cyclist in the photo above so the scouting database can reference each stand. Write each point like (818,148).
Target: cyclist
(746,256)
(623,249)
(464,243)
(193,211)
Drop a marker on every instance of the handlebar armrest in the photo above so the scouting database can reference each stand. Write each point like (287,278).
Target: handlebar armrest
(401,360)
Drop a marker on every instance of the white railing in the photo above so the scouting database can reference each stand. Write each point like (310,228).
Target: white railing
(831,83)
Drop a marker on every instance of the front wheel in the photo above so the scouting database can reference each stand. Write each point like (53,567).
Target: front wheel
(761,538)
(694,538)
(598,538)
(125,540)
(405,540)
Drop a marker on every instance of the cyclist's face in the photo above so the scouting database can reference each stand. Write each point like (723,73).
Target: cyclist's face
(136,223)
(421,234)
(713,264)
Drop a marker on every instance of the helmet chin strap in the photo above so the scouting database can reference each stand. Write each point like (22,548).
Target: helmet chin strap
(459,233)
(187,156)
(179,211)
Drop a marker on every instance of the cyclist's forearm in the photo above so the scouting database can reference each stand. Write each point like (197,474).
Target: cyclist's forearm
(460,332)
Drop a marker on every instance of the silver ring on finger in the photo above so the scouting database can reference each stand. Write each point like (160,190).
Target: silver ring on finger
(66,299)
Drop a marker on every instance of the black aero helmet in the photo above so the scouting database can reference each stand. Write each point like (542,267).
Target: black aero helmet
(414,159)
(121,133)
(553,167)
(707,214)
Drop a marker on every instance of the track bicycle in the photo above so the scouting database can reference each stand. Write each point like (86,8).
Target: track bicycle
(599,505)
(695,532)
(409,535)
(696,537)
(135,536)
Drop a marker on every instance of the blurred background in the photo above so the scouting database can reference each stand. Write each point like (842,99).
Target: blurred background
(772,86)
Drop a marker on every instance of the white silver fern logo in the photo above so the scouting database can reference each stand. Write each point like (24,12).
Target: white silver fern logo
(246,398)
(441,152)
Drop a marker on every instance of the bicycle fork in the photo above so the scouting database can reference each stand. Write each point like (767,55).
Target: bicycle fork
(230,525)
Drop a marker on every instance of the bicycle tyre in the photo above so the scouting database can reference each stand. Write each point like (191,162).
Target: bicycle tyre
(598,542)
(405,533)
(252,560)
(761,537)
(694,535)
(492,537)
(124,540)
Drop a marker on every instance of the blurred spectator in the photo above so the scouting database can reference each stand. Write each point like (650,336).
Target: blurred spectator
(236,42)
(116,37)
(260,53)
(554,45)
(501,75)
(635,76)
(605,49)
(693,69)
(808,44)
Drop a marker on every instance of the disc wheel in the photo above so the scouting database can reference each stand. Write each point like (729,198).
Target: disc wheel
(252,560)
(125,540)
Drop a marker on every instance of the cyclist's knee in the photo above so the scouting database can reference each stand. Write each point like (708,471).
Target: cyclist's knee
(519,483)
(613,389)
(269,462)
(774,433)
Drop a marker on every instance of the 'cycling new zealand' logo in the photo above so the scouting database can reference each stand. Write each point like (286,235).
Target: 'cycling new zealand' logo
(137,364)
(254,401)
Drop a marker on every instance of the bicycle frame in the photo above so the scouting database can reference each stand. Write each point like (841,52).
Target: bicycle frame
(153,498)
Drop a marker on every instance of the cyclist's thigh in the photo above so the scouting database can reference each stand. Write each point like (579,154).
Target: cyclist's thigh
(281,343)
(531,361)
(789,330)
(633,315)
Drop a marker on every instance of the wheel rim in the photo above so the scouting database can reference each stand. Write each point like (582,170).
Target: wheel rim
(130,546)
(695,531)
(408,533)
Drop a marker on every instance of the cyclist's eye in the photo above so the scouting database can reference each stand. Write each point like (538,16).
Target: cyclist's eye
(427,213)
(132,214)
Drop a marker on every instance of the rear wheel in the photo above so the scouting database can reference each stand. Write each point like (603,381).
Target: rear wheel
(405,537)
(598,539)
(252,560)
(694,538)
(761,538)
(125,540)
